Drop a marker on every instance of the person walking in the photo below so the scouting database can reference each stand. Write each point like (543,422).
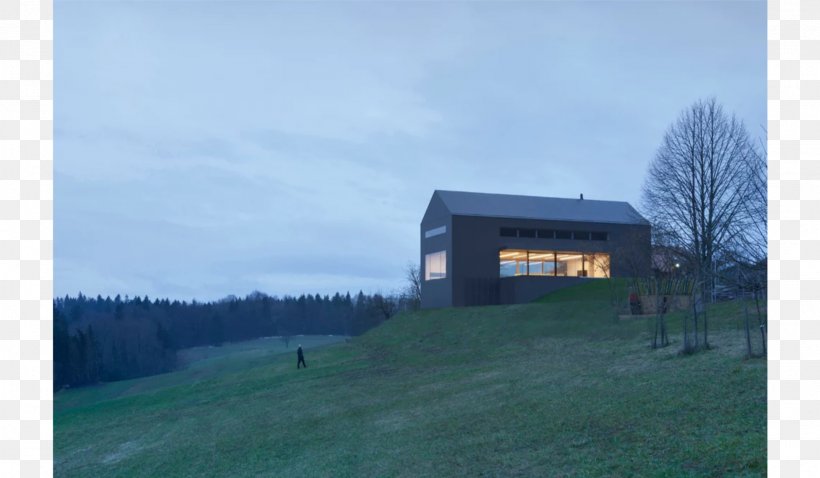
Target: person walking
(301,357)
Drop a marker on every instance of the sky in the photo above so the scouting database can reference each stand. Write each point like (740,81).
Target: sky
(208,148)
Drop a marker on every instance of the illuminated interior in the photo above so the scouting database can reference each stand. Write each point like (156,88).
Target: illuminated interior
(520,262)
(435,265)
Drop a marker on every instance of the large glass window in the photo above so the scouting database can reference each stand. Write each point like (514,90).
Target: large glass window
(570,264)
(597,265)
(519,262)
(435,265)
(541,263)
(513,262)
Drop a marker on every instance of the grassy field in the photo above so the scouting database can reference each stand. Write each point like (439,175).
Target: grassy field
(556,388)
(196,365)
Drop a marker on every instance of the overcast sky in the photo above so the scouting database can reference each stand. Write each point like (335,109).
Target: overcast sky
(210,148)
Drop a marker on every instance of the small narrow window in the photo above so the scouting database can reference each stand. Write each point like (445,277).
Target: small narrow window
(435,232)
(598,236)
(546,234)
(509,232)
(580,235)
(526,233)
(563,235)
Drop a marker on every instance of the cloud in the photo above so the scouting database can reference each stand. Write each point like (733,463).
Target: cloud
(223,147)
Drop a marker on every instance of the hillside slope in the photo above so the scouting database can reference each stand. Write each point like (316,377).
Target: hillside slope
(556,388)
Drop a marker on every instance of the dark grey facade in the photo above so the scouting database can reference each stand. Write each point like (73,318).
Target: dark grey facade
(464,234)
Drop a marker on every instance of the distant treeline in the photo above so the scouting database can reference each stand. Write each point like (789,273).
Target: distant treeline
(105,339)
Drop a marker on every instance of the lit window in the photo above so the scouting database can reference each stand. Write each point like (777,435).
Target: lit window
(597,265)
(541,263)
(435,265)
(570,264)
(519,262)
(513,263)
(435,232)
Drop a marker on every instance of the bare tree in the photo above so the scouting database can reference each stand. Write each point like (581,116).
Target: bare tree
(662,303)
(633,261)
(747,253)
(600,264)
(661,296)
(755,239)
(698,186)
(754,233)
(413,290)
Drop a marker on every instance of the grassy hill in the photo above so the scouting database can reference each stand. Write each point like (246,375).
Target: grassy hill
(556,388)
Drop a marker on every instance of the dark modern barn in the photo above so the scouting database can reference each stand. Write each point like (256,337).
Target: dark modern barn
(483,249)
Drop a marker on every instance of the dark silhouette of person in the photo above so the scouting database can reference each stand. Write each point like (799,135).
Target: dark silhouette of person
(301,357)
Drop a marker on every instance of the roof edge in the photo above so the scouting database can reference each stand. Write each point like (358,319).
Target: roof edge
(436,191)
(646,223)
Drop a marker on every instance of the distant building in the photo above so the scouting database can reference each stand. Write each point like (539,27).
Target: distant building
(482,249)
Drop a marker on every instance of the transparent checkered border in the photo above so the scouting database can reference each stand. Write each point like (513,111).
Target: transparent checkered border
(794,238)
(26,228)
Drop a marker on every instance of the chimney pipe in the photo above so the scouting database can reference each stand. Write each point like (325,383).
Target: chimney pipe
(582,196)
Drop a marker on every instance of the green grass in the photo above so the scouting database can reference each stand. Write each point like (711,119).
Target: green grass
(555,388)
(195,365)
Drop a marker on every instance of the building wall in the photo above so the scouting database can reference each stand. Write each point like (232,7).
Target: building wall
(475,266)
(517,290)
(439,292)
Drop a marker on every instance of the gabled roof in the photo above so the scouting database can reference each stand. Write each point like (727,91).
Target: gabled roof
(461,203)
